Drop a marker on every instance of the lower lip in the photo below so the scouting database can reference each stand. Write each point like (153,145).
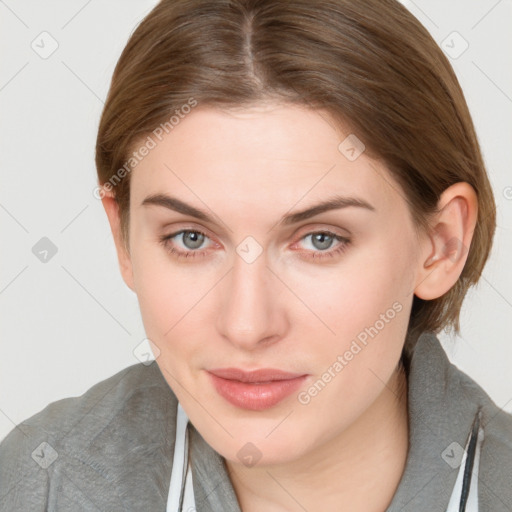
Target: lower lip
(255,397)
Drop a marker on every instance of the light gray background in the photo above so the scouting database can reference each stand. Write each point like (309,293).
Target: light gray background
(71,321)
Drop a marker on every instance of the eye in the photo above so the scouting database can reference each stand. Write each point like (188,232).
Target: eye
(322,241)
(191,241)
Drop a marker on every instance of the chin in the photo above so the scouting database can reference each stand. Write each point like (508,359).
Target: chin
(254,447)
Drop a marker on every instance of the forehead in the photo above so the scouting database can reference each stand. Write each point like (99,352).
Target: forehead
(267,154)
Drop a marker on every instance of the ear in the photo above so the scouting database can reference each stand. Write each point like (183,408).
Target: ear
(123,255)
(445,249)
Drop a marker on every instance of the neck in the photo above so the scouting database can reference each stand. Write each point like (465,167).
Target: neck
(358,470)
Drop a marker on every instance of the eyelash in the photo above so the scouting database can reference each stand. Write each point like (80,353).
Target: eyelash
(315,255)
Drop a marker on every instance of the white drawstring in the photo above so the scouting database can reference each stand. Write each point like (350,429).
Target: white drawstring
(181,489)
(472,504)
(456,497)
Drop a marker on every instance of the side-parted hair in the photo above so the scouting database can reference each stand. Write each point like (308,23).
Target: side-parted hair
(369,63)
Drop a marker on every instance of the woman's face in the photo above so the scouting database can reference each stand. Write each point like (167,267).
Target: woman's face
(252,285)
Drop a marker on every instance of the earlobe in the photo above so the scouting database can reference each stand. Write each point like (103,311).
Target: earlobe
(444,251)
(112,210)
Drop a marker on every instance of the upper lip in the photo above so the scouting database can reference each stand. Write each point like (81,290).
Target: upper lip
(260,375)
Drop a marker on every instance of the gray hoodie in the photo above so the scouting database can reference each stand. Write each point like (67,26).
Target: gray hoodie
(112,448)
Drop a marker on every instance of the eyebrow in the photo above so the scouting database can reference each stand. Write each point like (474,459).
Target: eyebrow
(334,203)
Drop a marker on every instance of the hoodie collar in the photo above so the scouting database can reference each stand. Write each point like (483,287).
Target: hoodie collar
(441,416)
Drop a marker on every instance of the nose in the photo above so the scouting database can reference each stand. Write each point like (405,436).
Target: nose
(250,313)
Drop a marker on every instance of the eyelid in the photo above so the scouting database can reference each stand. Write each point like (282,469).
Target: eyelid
(322,228)
(179,228)
(185,222)
(341,239)
(300,232)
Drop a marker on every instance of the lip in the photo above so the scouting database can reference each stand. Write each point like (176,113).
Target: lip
(255,390)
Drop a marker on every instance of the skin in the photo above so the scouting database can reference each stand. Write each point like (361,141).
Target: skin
(247,168)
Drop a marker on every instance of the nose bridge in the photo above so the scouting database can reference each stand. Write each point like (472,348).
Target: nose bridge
(248,309)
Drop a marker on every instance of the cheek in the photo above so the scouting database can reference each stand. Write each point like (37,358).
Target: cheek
(168,295)
(368,312)
(364,307)
(372,284)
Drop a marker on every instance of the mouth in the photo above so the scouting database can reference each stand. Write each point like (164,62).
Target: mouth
(255,390)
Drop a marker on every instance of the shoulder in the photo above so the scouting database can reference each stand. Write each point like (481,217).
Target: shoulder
(445,402)
(444,382)
(133,389)
(496,422)
(495,474)
(130,414)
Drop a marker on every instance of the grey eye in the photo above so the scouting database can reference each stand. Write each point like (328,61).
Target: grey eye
(321,241)
(192,239)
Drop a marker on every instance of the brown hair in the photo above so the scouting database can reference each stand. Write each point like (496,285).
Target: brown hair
(368,63)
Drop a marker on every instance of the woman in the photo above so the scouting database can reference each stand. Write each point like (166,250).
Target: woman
(299,201)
